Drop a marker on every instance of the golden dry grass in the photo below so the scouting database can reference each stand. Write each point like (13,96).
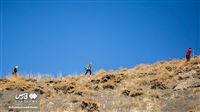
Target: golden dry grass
(145,88)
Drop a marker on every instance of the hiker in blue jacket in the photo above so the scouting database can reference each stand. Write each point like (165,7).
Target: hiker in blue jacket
(88,69)
(15,70)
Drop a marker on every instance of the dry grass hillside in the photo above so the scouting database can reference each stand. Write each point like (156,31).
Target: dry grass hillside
(171,86)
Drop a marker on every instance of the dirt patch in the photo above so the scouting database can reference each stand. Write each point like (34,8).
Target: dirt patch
(108,86)
(89,106)
(106,78)
(39,90)
(168,68)
(132,93)
(95,81)
(95,87)
(4,80)
(79,93)
(155,84)
(126,92)
(31,80)
(65,89)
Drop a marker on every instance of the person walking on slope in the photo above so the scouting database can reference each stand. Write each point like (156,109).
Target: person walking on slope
(88,69)
(16,68)
(188,53)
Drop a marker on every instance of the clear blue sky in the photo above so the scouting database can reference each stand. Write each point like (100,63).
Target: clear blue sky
(51,36)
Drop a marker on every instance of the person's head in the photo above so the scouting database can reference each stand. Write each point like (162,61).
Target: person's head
(16,67)
(190,48)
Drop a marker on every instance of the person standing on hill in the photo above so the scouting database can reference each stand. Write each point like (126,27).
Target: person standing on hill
(188,53)
(16,68)
(88,69)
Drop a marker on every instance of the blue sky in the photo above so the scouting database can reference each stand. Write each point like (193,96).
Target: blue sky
(63,36)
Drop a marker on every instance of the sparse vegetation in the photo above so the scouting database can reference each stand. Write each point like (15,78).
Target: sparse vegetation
(172,86)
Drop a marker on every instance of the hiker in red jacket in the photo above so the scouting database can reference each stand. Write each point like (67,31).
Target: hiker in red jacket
(188,53)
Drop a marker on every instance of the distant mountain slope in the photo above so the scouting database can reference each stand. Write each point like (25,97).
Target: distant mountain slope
(172,86)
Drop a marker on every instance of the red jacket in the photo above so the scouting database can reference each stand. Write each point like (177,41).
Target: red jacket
(189,52)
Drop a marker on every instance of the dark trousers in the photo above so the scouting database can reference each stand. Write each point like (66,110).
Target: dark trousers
(188,57)
(14,71)
(88,71)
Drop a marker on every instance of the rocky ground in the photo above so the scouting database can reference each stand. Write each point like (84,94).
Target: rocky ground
(172,86)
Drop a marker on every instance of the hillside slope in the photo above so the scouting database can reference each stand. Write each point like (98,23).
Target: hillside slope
(172,86)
